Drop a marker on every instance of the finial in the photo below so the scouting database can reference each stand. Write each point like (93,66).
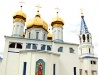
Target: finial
(82,13)
(38,6)
(21,4)
(57,10)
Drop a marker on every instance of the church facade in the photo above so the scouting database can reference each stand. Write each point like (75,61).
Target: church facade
(38,52)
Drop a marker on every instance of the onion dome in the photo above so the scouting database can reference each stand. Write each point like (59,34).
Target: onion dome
(57,21)
(37,21)
(49,36)
(19,16)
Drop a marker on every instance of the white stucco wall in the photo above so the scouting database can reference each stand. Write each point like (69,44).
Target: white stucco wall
(67,60)
(0,66)
(32,57)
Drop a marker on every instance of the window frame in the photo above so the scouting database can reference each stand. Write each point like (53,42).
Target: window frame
(60,49)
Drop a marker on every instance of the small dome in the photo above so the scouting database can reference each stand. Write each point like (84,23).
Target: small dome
(57,20)
(19,16)
(19,13)
(38,22)
(49,36)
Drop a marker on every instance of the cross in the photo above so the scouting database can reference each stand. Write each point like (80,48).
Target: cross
(21,4)
(38,6)
(81,12)
(57,9)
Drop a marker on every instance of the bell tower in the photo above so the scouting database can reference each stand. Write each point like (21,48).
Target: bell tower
(86,47)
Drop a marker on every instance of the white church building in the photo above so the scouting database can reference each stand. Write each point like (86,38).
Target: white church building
(36,51)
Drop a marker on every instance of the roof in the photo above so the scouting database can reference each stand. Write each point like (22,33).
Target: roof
(89,57)
(83,29)
(42,40)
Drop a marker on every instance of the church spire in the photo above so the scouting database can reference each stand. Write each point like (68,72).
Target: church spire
(84,28)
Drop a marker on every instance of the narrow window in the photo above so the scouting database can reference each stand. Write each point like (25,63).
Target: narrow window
(43,47)
(80,39)
(60,49)
(86,72)
(34,46)
(28,46)
(44,37)
(12,45)
(71,50)
(37,35)
(80,71)
(88,37)
(89,50)
(74,70)
(48,48)
(54,70)
(24,68)
(19,45)
(91,62)
(29,34)
(83,38)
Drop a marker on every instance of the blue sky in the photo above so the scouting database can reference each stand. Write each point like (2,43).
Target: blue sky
(69,12)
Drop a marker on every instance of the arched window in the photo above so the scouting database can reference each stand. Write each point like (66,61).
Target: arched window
(34,46)
(71,50)
(48,47)
(88,37)
(28,46)
(12,45)
(43,47)
(60,49)
(83,38)
(19,45)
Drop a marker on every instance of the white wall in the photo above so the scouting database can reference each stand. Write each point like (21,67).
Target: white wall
(31,58)
(0,66)
(67,60)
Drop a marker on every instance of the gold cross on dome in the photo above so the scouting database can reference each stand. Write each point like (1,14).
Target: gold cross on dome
(38,6)
(57,9)
(81,12)
(21,2)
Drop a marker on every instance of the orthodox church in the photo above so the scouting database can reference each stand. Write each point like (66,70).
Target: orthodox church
(36,51)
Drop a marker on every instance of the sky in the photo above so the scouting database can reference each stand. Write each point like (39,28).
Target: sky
(69,12)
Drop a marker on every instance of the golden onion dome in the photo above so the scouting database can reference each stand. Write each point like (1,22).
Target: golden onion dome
(57,21)
(20,15)
(37,22)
